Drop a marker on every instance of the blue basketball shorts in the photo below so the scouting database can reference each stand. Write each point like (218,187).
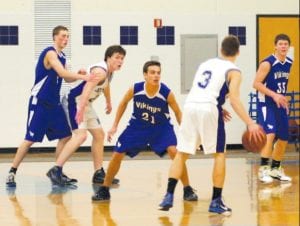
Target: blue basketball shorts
(46,119)
(135,139)
(273,120)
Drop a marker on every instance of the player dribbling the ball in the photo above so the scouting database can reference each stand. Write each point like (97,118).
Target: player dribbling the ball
(203,120)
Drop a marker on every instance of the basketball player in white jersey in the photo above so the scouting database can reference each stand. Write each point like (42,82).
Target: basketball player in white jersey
(83,118)
(203,120)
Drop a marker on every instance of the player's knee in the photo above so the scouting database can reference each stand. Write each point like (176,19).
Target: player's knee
(117,157)
(99,135)
(281,144)
(65,139)
(172,154)
(81,137)
(172,151)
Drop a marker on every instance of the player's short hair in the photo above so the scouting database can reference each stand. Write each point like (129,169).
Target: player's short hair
(114,49)
(150,63)
(57,29)
(282,37)
(230,45)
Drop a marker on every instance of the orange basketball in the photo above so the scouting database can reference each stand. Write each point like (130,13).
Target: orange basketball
(252,145)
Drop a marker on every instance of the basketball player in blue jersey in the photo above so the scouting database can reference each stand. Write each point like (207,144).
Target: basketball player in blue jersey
(45,113)
(149,125)
(83,117)
(271,83)
(203,121)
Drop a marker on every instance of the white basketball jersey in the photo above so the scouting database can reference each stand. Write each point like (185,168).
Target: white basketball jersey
(210,82)
(99,88)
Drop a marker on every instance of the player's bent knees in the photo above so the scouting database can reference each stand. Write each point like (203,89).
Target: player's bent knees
(81,137)
(172,151)
(101,136)
(98,134)
(65,139)
(117,157)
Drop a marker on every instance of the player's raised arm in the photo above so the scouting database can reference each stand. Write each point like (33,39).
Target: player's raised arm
(51,61)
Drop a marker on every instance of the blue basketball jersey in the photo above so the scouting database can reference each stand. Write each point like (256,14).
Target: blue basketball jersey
(150,111)
(75,92)
(45,113)
(47,82)
(277,78)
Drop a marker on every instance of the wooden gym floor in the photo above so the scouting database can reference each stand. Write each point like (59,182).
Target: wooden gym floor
(142,186)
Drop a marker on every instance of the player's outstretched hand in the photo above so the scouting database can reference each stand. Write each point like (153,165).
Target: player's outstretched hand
(281,101)
(82,71)
(226,115)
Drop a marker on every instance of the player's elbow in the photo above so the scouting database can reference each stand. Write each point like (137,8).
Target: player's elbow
(256,85)
(69,80)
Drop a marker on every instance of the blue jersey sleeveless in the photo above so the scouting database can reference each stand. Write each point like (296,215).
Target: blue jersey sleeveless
(47,83)
(277,78)
(150,111)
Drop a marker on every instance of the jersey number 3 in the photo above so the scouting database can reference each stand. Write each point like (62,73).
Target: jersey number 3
(204,79)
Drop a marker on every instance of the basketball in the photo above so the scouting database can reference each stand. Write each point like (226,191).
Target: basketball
(252,145)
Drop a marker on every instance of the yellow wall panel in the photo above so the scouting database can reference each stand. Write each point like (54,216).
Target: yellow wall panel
(268,28)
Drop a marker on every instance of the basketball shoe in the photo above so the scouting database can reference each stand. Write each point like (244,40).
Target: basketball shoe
(167,202)
(264,174)
(56,176)
(102,194)
(68,179)
(10,180)
(217,206)
(99,176)
(189,194)
(278,174)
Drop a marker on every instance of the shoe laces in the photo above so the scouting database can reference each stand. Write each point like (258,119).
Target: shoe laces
(280,171)
(264,171)
(168,196)
(222,203)
(189,190)
(99,173)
